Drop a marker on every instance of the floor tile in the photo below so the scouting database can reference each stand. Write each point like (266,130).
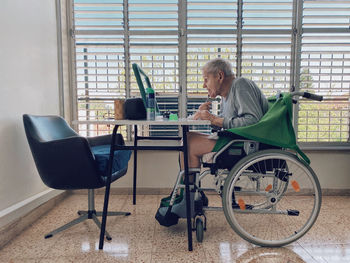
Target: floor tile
(332,253)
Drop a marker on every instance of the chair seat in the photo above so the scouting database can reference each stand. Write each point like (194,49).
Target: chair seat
(120,160)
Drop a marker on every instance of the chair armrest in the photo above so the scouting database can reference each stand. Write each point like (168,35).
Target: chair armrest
(99,140)
(105,139)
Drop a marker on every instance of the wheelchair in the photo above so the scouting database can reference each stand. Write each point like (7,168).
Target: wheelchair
(270,196)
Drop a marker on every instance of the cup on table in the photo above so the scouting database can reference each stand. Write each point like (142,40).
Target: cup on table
(119,109)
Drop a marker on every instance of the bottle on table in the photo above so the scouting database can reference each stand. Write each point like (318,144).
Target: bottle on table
(151,104)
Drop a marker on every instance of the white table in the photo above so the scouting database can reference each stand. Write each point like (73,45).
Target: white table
(184,124)
(165,122)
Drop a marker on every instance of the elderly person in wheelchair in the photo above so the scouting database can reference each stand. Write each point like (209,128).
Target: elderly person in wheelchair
(270,194)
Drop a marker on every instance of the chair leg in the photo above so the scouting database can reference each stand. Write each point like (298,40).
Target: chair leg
(89,214)
(68,225)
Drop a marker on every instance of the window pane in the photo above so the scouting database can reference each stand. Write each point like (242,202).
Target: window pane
(153,28)
(267,44)
(99,61)
(212,33)
(326,14)
(325,68)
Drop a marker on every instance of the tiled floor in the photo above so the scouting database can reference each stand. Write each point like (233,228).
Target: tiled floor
(139,238)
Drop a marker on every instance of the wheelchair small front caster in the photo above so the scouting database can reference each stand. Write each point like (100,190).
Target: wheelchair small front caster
(199,229)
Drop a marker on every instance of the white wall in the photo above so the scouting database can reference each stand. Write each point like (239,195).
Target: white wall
(332,168)
(29,84)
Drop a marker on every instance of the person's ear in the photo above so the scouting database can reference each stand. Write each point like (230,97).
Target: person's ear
(221,76)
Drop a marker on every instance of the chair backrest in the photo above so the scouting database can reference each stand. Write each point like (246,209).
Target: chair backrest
(47,128)
(141,79)
(63,158)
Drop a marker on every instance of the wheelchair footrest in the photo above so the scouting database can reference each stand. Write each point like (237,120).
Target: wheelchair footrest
(166,218)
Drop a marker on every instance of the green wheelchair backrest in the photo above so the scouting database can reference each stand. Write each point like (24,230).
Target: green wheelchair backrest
(139,73)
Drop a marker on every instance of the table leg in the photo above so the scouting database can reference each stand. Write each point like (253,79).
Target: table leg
(108,186)
(135,166)
(188,200)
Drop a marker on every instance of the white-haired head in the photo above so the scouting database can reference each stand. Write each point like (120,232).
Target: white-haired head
(216,65)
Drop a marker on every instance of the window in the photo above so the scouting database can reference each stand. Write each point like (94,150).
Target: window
(325,69)
(277,43)
(267,44)
(99,61)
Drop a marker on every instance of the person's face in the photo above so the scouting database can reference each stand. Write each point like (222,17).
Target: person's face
(212,82)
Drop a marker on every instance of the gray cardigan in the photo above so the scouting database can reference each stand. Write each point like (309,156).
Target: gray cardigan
(244,105)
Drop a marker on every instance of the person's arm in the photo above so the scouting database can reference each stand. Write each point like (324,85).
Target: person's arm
(206,115)
(217,121)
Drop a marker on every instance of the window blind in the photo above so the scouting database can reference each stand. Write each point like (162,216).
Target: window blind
(99,61)
(267,44)
(211,33)
(276,43)
(153,27)
(153,30)
(325,70)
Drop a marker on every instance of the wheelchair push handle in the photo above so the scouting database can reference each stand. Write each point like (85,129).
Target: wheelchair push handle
(312,96)
(307,95)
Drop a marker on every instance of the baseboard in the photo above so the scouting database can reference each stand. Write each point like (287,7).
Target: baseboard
(338,192)
(15,219)
(128,191)
(167,191)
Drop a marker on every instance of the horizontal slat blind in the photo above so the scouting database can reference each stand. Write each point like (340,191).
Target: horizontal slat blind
(266,44)
(153,29)
(325,70)
(99,49)
(211,34)
(98,15)
(326,14)
(267,14)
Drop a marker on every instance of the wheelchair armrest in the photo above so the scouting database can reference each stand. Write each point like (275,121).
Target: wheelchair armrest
(226,133)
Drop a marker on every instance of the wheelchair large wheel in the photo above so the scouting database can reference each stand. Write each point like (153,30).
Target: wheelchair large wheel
(271,198)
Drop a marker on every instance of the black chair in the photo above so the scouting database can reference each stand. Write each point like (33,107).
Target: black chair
(66,160)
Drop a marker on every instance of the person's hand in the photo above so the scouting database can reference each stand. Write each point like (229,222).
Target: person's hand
(205,106)
(203,115)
